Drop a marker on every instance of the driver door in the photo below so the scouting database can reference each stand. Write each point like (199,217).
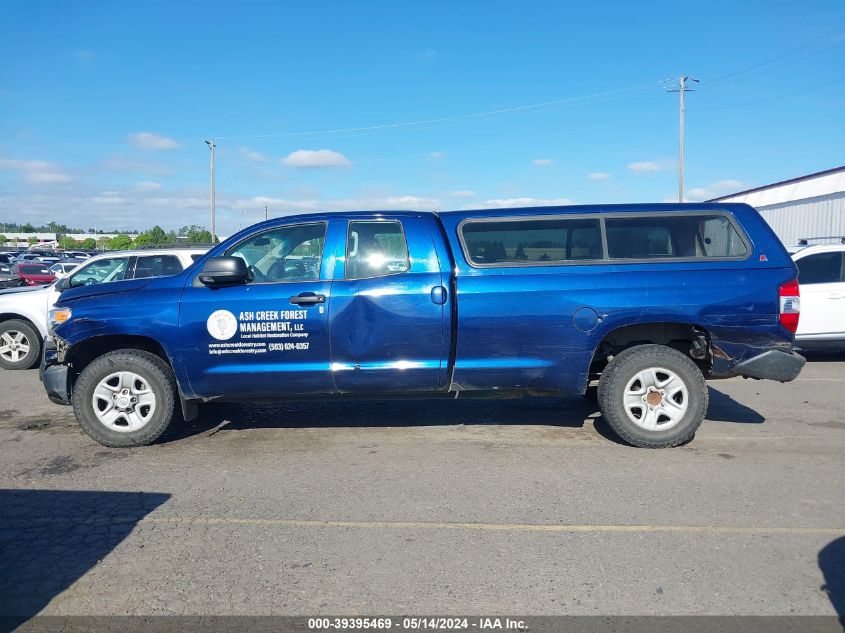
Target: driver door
(269,337)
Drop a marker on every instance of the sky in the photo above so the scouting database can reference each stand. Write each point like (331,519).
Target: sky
(105,106)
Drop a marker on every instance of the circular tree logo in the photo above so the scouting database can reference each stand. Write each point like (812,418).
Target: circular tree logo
(222,325)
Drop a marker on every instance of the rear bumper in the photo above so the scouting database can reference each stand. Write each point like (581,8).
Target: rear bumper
(772,365)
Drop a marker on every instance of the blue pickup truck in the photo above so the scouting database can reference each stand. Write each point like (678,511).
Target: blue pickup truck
(648,300)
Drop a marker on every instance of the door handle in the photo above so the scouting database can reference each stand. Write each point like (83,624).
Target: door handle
(439,295)
(308,299)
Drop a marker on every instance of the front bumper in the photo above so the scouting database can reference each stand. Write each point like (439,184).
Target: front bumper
(772,365)
(55,378)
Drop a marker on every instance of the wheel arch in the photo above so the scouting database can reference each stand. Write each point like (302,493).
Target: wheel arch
(16,316)
(688,337)
(82,353)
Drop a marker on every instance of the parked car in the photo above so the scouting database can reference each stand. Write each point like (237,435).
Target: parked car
(8,280)
(821,273)
(34,273)
(26,257)
(488,303)
(62,268)
(6,263)
(23,311)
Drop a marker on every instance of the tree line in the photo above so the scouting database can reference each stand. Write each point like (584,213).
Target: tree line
(55,227)
(156,236)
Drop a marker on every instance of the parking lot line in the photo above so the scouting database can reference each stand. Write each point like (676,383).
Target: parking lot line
(502,527)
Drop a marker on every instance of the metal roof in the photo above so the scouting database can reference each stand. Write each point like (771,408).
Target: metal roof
(821,183)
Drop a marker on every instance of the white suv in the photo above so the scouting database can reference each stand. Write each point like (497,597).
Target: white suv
(23,311)
(821,275)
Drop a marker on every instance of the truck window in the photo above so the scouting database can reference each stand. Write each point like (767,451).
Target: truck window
(99,271)
(821,268)
(375,249)
(287,253)
(662,236)
(508,242)
(157,266)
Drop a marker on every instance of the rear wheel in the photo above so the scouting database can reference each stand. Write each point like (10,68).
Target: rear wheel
(125,398)
(20,345)
(653,396)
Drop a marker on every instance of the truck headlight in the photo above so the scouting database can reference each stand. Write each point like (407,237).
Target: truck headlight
(57,316)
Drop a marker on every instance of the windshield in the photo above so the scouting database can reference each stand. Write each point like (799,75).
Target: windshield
(99,271)
(34,269)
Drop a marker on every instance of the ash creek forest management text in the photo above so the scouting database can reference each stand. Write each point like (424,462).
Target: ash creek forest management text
(271,321)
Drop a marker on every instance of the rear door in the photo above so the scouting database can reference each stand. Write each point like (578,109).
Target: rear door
(389,307)
(269,337)
(822,285)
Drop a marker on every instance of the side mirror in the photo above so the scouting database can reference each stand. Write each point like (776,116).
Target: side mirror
(63,284)
(224,271)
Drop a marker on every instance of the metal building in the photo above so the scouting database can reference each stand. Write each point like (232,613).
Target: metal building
(808,207)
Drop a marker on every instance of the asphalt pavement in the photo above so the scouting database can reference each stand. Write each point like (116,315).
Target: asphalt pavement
(429,507)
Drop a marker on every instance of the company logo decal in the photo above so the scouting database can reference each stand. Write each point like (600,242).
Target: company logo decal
(222,325)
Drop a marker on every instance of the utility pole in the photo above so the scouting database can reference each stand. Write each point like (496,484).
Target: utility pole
(211,146)
(681,89)
(266,216)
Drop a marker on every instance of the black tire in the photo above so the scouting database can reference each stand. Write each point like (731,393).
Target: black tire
(157,375)
(624,368)
(32,338)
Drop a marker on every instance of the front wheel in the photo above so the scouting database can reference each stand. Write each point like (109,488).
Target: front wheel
(125,398)
(653,396)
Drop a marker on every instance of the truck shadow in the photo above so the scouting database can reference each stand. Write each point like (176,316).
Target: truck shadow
(567,412)
(723,408)
(572,412)
(832,565)
(51,538)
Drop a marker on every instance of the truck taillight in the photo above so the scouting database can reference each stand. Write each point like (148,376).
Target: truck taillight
(790,305)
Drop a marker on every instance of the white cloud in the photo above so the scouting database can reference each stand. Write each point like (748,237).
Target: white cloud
(13,164)
(46,177)
(391,202)
(716,190)
(109,197)
(599,176)
(462,193)
(542,162)
(119,163)
(437,155)
(82,206)
(316,158)
(525,202)
(149,140)
(36,172)
(252,155)
(147,185)
(644,166)
(410,202)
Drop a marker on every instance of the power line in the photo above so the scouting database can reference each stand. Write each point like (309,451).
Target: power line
(781,56)
(772,98)
(528,109)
